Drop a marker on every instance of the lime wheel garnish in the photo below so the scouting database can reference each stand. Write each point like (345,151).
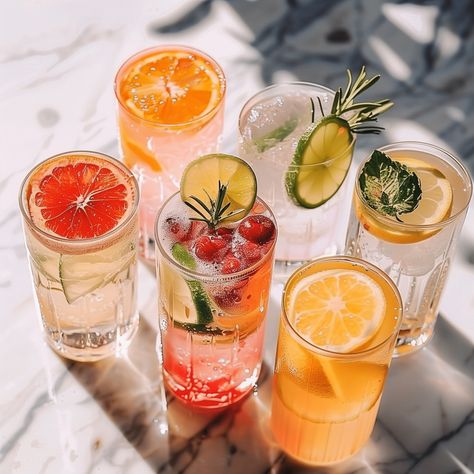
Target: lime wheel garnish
(79,196)
(219,187)
(321,162)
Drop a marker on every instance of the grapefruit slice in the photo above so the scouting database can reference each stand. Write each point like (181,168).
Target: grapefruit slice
(79,196)
(172,87)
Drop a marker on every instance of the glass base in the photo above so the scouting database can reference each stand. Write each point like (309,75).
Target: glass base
(146,247)
(284,268)
(409,342)
(82,347)
(208,402)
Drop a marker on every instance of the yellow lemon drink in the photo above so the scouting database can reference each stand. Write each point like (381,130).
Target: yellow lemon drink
(339,322)
(409,205)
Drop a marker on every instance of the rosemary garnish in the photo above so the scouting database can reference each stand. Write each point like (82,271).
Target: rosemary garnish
(365,113)
(213,214)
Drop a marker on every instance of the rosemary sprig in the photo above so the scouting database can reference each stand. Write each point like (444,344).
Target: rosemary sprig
(365,113)
(212,214)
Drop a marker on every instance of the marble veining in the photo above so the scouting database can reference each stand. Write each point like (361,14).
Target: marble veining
(58,61)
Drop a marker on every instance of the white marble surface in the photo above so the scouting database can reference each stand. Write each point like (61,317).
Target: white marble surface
(57,64)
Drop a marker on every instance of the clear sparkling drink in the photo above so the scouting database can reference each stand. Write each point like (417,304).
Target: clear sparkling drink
(81,230)
(271,124)
(170,111)
(416,250)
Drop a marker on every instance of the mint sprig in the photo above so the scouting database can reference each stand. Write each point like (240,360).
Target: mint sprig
(389,187)
(275,136)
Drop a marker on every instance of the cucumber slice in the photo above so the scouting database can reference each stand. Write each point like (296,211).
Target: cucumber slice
(275,136)
(327,145)
(185,301)
(80,275)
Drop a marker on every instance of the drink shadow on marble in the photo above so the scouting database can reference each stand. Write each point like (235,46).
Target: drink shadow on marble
(171,438)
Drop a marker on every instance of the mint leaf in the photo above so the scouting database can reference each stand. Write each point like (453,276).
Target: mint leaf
(182,256)
(388,186)
(275,136)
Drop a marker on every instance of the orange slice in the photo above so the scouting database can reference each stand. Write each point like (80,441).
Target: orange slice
(172,87)
(134,155)
(79,196)
(337,310)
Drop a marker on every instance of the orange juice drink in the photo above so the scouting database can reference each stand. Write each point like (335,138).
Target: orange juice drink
(171,105)
(339,323)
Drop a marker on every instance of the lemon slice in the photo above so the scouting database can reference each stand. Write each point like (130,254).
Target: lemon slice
(437,195)
(337,310)
(202,176)
(320,164)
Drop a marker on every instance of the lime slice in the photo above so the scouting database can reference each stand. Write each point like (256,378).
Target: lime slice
(202,176)
(326,146)
(185,301)
(80,275)
(275,136)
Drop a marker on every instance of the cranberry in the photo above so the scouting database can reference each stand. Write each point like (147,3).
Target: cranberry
(197,228)
(177,228)
(249,251)
(257,229)
(225,233)
(231,264)
(228,297)
(211,248)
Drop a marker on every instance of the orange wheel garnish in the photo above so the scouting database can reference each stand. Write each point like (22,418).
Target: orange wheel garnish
(79,197)
(172,87)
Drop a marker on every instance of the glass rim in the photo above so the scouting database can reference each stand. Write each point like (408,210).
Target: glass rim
(162,48)
(275,86)
(221,277)
(92,240)
(409,145)
(326,352)
(304,84)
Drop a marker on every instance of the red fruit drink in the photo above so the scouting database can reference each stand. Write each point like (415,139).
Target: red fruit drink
(213,292)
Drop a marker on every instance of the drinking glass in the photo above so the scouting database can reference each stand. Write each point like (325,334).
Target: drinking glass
(325,402)
(85,288)
(212,322)
(158,147)
(416,257)
(304,233)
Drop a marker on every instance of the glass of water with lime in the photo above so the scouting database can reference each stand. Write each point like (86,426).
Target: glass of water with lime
(299,138)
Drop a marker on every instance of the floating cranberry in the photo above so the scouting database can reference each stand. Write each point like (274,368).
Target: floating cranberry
(231,264)
(177,228)
(211,248)
(257,229)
